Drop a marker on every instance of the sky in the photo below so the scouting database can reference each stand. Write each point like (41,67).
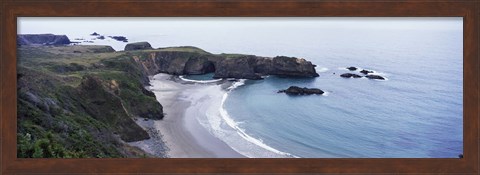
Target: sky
(65,25)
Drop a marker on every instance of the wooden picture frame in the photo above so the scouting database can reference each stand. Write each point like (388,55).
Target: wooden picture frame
(10,10)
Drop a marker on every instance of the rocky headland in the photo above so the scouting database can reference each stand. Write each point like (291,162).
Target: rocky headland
(191,61)
(42,39)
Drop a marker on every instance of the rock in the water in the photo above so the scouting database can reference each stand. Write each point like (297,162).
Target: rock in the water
(349,75)
(352,68)
(295,90)
(119,38)
(94,34)
(42,39)
(101,37)
(377,77)
(292,67)
(138,46)
(366,71)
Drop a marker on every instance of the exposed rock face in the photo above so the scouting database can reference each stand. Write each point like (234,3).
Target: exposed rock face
(176,62)
(242,67)
(198,65)
(42,39)
(349,75)
(291,66)
(366,71)
(138,46)
(377,77)
(245,66)
(352,68)
(295,90)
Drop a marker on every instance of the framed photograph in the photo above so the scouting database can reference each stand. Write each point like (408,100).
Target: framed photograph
(239,87)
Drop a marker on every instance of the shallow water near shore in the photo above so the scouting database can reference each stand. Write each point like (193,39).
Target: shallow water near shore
(416,113)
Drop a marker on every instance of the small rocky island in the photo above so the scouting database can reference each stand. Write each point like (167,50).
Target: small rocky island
(368,74)
(295,90)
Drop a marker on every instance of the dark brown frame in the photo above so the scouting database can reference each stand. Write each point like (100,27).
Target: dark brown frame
(468,9)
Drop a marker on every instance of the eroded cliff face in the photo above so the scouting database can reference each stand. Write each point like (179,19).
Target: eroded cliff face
(243,66)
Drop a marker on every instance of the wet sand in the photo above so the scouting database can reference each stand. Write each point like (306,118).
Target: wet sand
(184,136)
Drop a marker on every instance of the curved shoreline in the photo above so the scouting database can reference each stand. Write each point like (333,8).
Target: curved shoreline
(184,136)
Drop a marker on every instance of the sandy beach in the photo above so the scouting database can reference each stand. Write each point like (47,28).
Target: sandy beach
(182,134)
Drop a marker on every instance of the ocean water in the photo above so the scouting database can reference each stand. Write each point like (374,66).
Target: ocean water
(416,113)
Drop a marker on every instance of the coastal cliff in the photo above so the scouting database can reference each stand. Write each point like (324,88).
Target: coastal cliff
(78,102)
(82,101)
(191,61)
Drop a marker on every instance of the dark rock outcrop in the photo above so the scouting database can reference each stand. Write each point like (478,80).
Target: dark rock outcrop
(295,90)
(376,77)
(94,34)
(292,67)
(349,75)
(42,39)
(119,38)
(352,68)
(364,71)
(198,65)
(138,46)
(101,37)
(242,67)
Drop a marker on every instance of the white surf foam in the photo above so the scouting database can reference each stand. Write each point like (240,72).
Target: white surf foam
(321,69)
(326,93)
(230,122)
(237,84)
(218,122)
(198,81)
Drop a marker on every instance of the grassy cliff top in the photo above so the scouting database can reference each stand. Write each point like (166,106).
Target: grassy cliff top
(82,101)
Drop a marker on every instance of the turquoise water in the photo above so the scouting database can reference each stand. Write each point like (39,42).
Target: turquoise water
(416,113)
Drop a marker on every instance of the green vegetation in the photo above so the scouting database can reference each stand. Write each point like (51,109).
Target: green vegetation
(79,102)
(185,49)
(232,55)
